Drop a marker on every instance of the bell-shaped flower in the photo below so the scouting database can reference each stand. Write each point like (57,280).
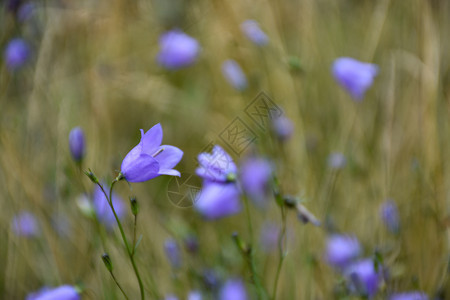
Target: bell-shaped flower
(390,217)
(409,296)
(150,159)
(16,54)
(233,73)
(63,292)
(283,128)
(254,33)
(77,144)
(25,224)
(217,166)
(256,174)
(342,250)
(177,50)
(218,200)
(362,277)
(233,289)
(354,76)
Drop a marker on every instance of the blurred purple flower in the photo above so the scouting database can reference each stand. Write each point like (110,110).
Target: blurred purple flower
(210,278)
(194,295)
(342,250)
(191,243)
(217,166)
(390,217)
(13,5)
(25,224)
(354,76)
(270,234)
(409,296)
(16,54)
(177,50)
(77,143)
(283,128)
(103,210)
(149,158)
(233,73)
(173,253)
(252,31)
(63,292)
(26,11)
(256,174)
(337,160)
(363,278)
(218,200)
(233,289)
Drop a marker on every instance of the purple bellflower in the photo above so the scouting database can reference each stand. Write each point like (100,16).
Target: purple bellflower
(177,50)
(342,250)
(218,200)
(256,174)
(233,73)
(25,224)
(254,33)
(283,128)
(77,143)
(63,292)
(337,160)
(173,253)
(16,54)
(363,278)
(150,159)
(194,295)
(217,166)
(103,210)
(233,289)
(409,296)
(354,76)
(390,217)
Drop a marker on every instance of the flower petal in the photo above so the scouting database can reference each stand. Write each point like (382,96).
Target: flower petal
(217,200)
(169,157)
(152,139)
(139,168)
(170,172)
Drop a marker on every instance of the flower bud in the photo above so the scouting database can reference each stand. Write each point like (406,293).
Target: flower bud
(77,144)
(16,54)
(107,261)
(91,176)
(233,73)
(134,205)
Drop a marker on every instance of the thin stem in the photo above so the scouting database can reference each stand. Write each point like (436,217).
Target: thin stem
(134,236)
(250,254)
(117,283)
(124,238)
(282,254)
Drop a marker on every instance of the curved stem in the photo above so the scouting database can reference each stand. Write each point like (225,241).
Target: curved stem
(124,238)
(282,254)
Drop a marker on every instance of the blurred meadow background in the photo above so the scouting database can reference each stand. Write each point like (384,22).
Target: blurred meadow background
(93,64)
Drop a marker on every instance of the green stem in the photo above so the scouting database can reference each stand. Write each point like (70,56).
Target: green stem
(117,283)
(282,254)
(122,233)
(250,255)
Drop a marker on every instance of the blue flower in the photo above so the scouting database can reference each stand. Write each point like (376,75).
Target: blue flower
(363,278)
(194,295)
(16,54)
(150,159)
(103,210)
(256,174)
(177,50)
(283,128)
(25,224)
(390,217)
(218,200)
(354,76)
(337,160)
(173,253)
(233,289)
(233,73)
(252,31)
(342,250)
(216,167)
(409,296)
(63,292)
(77,143)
